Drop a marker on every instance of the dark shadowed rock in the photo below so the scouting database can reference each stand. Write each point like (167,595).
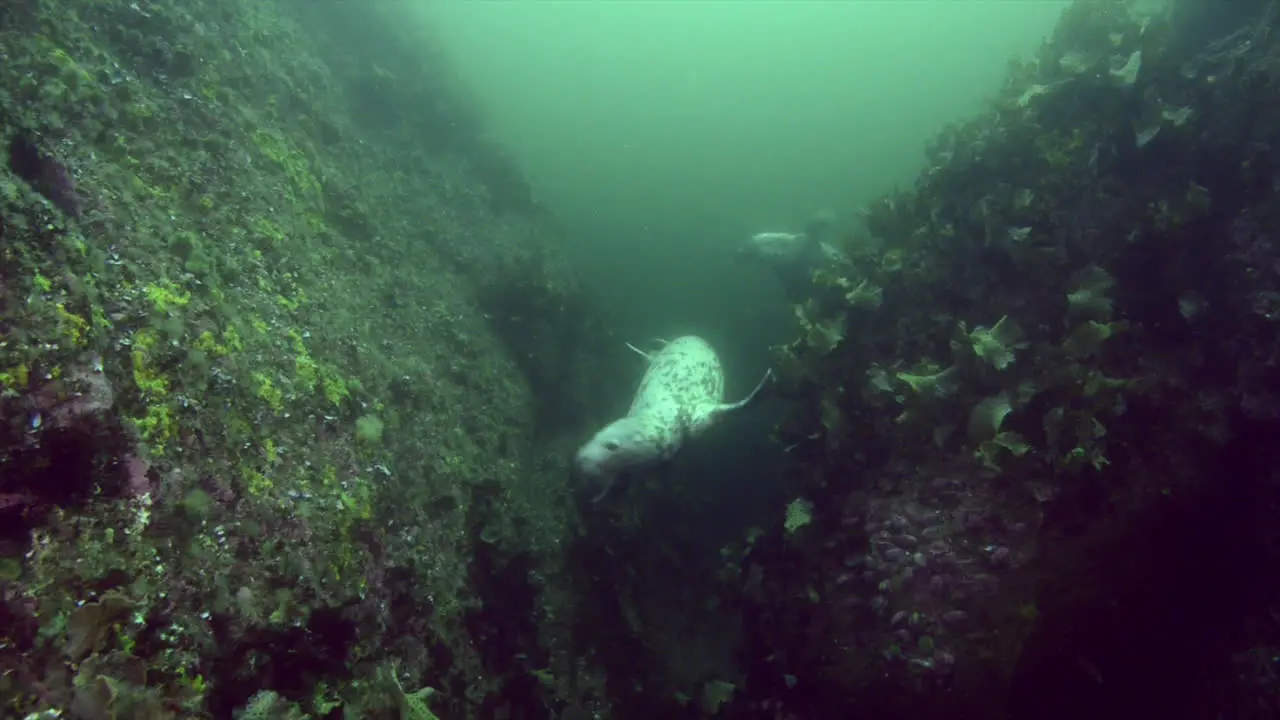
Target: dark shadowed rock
(44,173)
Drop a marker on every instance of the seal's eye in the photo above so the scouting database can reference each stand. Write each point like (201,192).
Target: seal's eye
(611,446)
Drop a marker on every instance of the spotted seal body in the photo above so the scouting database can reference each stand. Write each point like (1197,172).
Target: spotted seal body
(680,396)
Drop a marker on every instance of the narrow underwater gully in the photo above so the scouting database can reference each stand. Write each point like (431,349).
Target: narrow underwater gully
(634,583)
(293,361)
(503,623)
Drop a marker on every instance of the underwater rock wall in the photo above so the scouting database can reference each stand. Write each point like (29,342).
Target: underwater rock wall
(279,334)
(1034,442)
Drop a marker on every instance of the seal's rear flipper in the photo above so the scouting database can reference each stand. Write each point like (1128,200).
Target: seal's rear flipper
(764,381)
(661,344)
(719,410)
(643,354)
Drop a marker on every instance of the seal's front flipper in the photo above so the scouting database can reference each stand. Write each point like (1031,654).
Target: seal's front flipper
(664,474)
(603,491)
(616,484)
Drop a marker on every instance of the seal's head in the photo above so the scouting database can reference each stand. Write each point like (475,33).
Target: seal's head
(820,226)
(622,445)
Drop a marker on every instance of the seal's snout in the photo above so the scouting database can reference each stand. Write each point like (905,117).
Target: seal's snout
(575,468)
(580,476)
(587,474)
(589,462)
(584,462)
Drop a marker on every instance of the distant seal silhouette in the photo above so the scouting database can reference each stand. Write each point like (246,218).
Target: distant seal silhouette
(792,257)
(680,396)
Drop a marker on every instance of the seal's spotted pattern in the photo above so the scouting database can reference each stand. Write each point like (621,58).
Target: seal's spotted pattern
(680,396)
